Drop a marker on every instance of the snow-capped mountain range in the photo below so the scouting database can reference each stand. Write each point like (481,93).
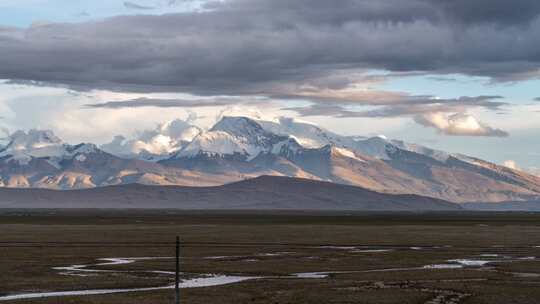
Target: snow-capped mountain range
(24,148)
(238,148)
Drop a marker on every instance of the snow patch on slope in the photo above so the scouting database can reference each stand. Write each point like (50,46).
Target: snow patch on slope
(310,135)
(287,147)
(475,161)
(348,153)
(306,134)
(215,143)
(435,154)
(377,147)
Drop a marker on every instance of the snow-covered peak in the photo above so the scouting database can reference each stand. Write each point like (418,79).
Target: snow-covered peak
(307,134)
(236,125)
(241,127)
(310,135)
(34,139)
(233,135)
(24,146)
(82,149)
(215,143)
(377,147)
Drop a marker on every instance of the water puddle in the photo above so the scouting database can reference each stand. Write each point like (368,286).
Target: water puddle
(338,247)
(490,258)
(529,258)
(311,275)
(443,266)
(471,263)
(371,250)
(275,254)
(249,258)
(223,257)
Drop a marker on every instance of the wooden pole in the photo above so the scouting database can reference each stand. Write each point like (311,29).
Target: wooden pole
(177,285)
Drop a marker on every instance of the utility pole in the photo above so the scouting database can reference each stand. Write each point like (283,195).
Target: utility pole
(177,284)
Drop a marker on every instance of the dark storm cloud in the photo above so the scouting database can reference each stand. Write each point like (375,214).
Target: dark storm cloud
(175,2)
(324,110)
(501,12)
(133,5)
(382,98)
(447,116)
(442,79)
(255,47)
(166,103)
(178,102)
(537,99)
(412,106)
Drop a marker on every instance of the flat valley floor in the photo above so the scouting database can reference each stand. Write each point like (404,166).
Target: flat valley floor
(121,257)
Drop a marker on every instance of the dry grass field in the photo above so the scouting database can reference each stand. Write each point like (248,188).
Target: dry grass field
(360,258)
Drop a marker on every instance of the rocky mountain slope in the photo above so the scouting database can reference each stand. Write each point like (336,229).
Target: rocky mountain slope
(299,149)
(239,148)
(262,193)
(38,159)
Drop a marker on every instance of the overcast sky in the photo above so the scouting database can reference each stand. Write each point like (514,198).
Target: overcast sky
(461,75)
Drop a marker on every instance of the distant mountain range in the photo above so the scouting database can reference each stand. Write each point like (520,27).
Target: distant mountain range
(261,193)
(239,148)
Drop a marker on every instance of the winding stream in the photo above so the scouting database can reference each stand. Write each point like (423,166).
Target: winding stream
(84,270)
(207,280)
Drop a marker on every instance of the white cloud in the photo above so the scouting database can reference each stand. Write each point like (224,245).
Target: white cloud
(511,164)
(458,124)
(534,171)
(162,140)
(515,117)
(514,165)
(24,107)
